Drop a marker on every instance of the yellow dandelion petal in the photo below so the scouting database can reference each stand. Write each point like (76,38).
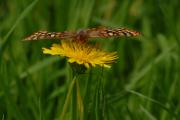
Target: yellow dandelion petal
(94,65)
(107,66)
(85,54)
(70,60)
(79,61)
(86,65)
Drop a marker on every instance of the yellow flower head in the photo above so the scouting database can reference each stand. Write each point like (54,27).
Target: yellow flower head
(83,54)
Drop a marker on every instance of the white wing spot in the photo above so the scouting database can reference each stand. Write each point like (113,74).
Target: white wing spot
(110,34)
(52,35)
(128,34)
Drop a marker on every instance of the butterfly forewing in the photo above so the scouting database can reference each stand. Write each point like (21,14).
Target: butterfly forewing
(50,35)
(105,32)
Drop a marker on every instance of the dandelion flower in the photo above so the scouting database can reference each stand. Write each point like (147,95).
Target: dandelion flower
(83,54)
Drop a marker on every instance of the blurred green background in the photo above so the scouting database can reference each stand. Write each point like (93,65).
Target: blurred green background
(143,84)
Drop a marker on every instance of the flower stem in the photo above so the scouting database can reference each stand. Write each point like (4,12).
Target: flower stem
(80,101)
(74,102)
(67,101)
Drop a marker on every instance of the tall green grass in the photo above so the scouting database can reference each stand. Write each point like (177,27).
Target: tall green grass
(142,85)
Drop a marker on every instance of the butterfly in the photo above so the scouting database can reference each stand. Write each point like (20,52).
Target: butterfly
(84,34)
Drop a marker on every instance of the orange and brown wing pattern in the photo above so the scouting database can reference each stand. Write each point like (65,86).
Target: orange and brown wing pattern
(50,35)
(106,32)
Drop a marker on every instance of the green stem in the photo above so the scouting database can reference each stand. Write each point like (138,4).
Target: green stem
(99,105)
(74,102)
(67,101)
(80,101)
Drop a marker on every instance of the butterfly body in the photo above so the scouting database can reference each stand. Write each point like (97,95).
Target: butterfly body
(81,36)
(84,34)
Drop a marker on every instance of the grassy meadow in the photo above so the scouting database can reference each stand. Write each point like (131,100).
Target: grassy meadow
(143,84)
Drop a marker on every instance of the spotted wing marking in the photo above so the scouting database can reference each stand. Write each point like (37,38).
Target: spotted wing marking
(49,35)
(105,33)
